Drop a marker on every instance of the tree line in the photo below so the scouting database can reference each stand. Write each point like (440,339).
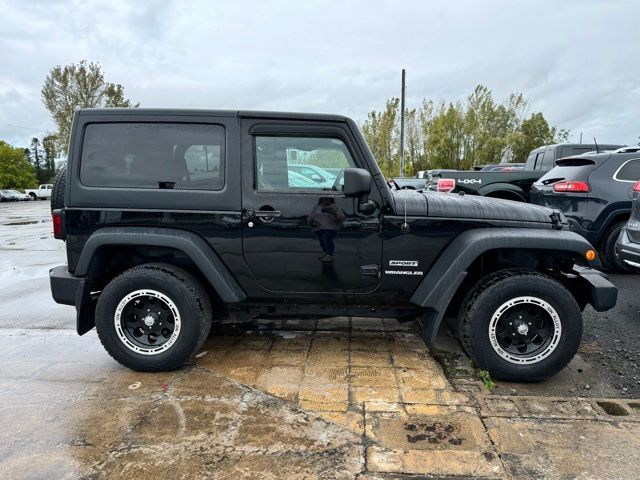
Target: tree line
(458,135)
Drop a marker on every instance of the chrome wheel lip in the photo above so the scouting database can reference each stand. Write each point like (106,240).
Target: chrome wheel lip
(117,321)
(530,359)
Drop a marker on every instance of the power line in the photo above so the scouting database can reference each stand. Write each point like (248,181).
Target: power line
(19,126)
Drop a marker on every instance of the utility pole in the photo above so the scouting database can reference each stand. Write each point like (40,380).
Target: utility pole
(402,127)
(580,137)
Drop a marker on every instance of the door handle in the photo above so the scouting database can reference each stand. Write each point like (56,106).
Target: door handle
(267,213)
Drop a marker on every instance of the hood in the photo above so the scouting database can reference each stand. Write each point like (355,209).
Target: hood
(451,205)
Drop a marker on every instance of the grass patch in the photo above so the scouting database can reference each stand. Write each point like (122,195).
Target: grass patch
(486,380)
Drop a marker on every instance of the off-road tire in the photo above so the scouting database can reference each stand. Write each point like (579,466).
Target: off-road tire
(57,193)
(610,260)
(484,302)
(33,196)
(183,289)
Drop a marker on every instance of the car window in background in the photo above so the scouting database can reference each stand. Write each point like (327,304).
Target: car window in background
(549,159)
(629,171)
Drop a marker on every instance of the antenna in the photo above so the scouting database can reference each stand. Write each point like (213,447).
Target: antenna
(594,141)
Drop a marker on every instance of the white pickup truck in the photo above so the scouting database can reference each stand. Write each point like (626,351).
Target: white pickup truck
(42,192)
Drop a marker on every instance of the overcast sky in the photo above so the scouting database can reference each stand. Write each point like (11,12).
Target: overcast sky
(576,61)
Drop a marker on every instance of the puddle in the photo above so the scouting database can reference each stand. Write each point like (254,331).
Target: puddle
(29,222)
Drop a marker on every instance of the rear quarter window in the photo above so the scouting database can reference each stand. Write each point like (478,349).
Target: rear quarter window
(153,156)
(629,171)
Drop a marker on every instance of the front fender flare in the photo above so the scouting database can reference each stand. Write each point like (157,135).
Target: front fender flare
(192,245)
(435,291)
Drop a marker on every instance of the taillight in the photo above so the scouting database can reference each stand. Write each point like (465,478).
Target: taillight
(56,216)
(571,187)
(446,185)
(636,187)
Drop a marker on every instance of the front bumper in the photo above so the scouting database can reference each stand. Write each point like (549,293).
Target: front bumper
(599,291)
(628,251)
(68,289)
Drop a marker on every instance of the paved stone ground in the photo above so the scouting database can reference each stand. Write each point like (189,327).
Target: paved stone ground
(339,399)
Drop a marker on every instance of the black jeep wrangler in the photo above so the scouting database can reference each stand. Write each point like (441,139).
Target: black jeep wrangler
(176,218)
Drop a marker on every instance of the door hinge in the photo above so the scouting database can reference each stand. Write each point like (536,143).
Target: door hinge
(370,270)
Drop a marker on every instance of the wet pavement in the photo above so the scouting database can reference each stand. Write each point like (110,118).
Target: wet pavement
(331,399)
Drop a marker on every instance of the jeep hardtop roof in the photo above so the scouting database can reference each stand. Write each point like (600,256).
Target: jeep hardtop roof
(215,113)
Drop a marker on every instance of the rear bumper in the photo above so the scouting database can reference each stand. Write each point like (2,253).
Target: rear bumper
(628,251)
(600,292)
(64,286)
(68,289)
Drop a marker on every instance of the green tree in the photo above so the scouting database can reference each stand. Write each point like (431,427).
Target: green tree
(35,156)
(381,132)
(71,87)
(50,147)
(15,170)
(534,132)
(458,135)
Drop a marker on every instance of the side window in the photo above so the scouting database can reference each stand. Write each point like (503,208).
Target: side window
(300,163)
(531,162)
(629,171)
(538,164)
(153,155)
(548,161)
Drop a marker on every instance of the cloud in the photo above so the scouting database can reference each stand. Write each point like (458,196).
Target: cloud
(576,61)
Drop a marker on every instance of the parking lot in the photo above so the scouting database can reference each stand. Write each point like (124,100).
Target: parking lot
(339,398)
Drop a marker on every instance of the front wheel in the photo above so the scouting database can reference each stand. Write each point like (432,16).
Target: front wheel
(154,317)
(521,326)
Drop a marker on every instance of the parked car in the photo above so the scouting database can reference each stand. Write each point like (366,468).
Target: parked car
(12,196)
(319,175)
(5,196)
(155,255)
(515,184)
(41,193)
(628,244)
(19,196)
(595,193)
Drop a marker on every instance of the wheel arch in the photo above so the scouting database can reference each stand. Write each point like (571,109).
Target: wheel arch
(194,248)
(445,278)
(617,216)
(506,191)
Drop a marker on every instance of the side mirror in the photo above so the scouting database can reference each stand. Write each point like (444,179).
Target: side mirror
(357,183)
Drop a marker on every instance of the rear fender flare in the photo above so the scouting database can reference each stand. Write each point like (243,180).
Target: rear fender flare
(192,245)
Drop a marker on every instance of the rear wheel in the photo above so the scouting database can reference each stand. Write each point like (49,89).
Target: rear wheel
(33,196)
(153,317)
(608,253)
(521,326)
